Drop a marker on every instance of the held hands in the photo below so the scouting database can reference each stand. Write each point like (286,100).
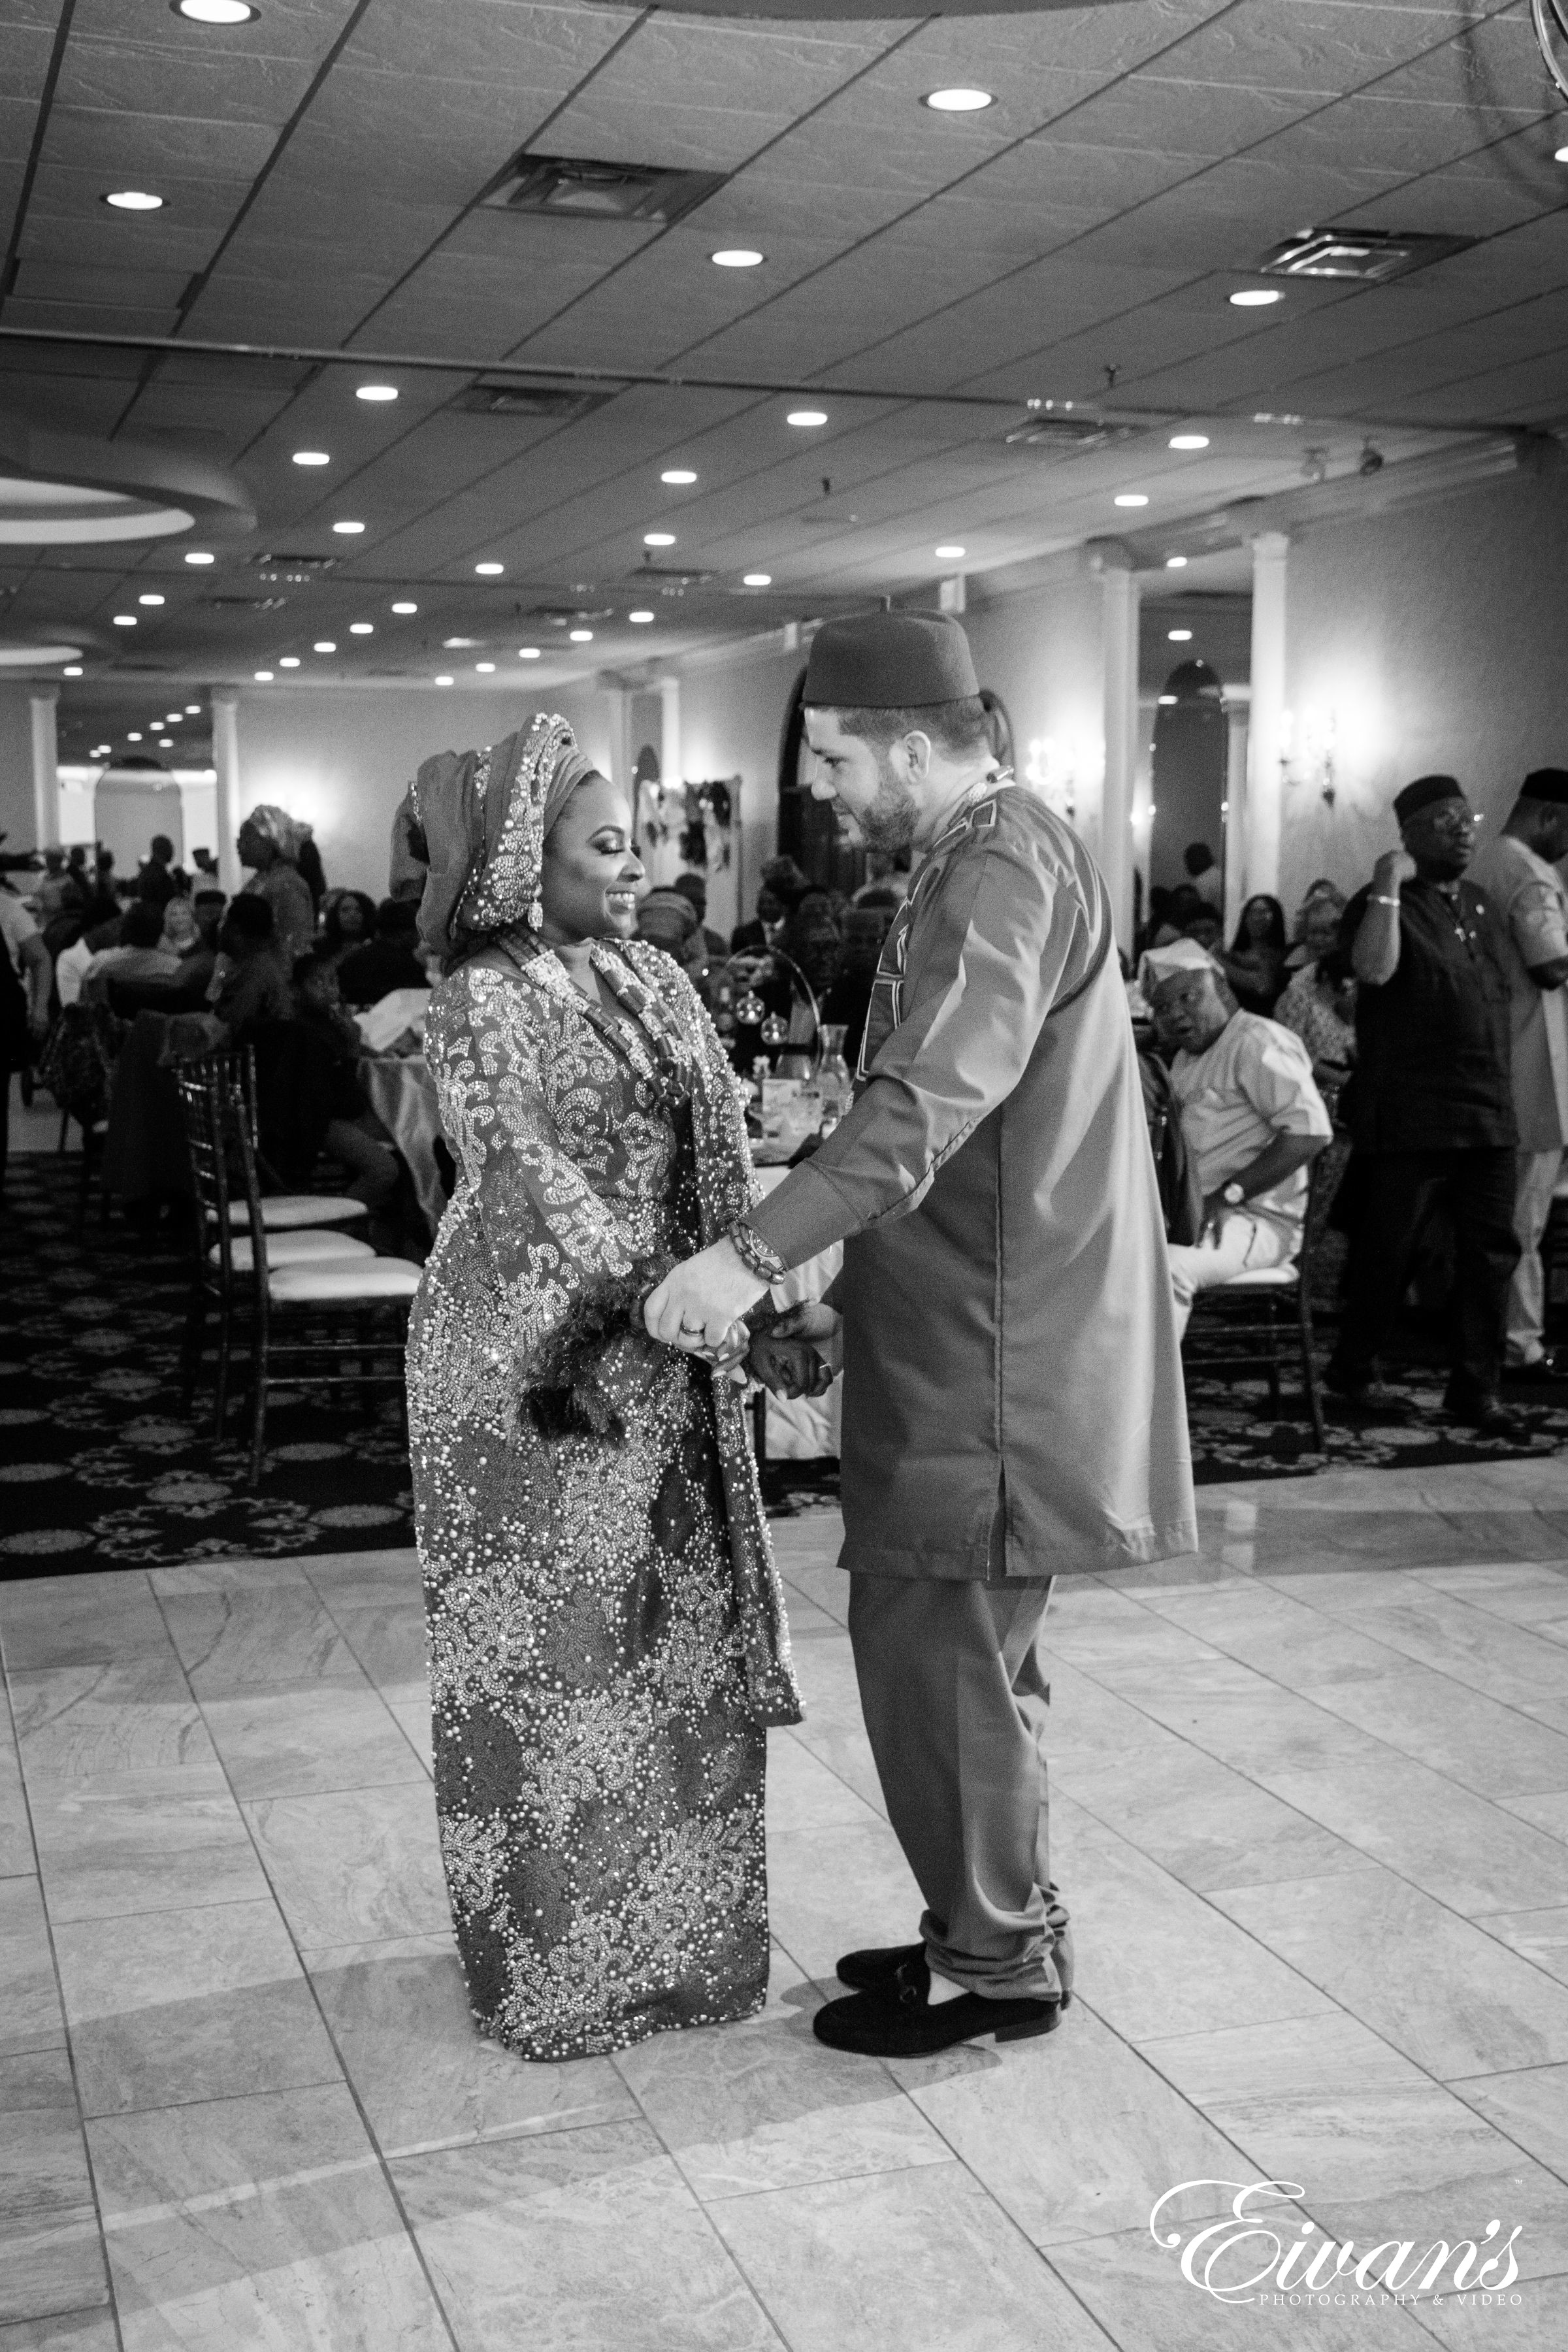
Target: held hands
(698,1304)
(801,1354)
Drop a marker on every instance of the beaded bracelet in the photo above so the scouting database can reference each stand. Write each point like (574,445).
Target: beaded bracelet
(753,1252)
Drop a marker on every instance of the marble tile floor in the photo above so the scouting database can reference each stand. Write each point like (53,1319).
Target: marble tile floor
(1309,1808)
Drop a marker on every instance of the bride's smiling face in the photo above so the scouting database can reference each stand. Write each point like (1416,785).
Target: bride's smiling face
(589,887)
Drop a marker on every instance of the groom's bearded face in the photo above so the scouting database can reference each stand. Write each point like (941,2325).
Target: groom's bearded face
(867,780)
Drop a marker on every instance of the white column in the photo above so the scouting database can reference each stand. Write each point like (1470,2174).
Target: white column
(670,767)
(225,760)
(1119,621)
(1259,860)
(623,758)
(1236,716)
(44,700)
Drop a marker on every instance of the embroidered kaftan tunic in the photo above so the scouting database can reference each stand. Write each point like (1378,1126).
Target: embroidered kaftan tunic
(607,1644)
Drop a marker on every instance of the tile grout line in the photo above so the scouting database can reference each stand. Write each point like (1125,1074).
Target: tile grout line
(373,2143)
(69,2039)
(1373,1861)
(347,1638)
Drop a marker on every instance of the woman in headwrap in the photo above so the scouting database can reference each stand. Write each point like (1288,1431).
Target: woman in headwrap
(606,1634)
(268,842)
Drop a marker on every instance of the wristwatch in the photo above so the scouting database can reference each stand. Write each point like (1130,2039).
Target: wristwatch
(1233,1195)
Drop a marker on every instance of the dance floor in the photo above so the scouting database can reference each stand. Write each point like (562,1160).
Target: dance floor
(1310,1811)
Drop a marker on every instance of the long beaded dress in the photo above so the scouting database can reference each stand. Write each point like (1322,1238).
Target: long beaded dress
(607,1638)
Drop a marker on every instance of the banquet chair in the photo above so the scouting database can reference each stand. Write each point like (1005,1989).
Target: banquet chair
(216,1096)
(1259,1319)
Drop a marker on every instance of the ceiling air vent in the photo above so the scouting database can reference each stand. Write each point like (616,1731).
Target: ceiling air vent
(246,603)
(574,188)
(566,616)
(1068,435)
(1371,256)
(505,396)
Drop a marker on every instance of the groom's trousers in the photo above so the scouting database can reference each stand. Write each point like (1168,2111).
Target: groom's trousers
(955,1701)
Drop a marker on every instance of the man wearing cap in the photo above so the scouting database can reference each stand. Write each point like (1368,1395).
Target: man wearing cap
(1431,1108)
(1013,1401)
(1520,869)
(1251,1116)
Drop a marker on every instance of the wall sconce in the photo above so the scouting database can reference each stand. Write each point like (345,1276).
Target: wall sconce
(1317,760)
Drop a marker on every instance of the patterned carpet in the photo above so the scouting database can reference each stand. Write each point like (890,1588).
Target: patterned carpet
(98,1465)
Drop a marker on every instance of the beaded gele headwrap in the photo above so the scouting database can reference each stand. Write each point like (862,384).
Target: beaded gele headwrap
(486,817)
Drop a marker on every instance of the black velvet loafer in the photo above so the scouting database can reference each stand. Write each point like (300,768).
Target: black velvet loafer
(876,1969)
(899,2021)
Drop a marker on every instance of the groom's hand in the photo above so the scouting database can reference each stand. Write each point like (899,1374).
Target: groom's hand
(799,1355)
(698,1302)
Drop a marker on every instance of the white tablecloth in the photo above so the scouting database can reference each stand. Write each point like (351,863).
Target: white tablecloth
(402,1093)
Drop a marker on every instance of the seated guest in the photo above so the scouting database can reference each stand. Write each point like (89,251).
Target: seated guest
(1521,868)
(182,936)
(317,1001)
(1432,1108)
(1251,1119)
(1319,1007)
(1317,925)
(886,879)
(207,906)
(386,961)
(782,886)
(251,982)
(848,997)
(812,938)
(694,885)
(1205,927)
(349,922)
(140,954)
(269,843)
(1256,964)
(668,919)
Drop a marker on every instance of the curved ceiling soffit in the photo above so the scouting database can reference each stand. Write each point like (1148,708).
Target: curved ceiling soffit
(827,12)
(73,489)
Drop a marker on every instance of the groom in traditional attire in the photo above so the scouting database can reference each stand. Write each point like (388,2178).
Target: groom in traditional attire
(1013,1403)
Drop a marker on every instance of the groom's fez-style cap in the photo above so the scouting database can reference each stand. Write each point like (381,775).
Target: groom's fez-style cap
(890,661)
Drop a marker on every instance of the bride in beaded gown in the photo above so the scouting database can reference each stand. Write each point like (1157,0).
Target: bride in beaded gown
(608,1642)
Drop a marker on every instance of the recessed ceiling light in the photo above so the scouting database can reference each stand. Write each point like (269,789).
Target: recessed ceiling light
(658,538)
(736,256)
(311,457)
(263,677)
(443,680)
(133,739)
(378,391)
(640,618)
(72,670)
(1180,637)
(958,101)
(1131,499)
(193,711)
(528,653)
(134,200)
(1560,155)
(149,599)
(1175,562)
(215,12)
(581,636)
(1255,297)
(362,628)
(949,552)
(324,645)
(290,661)
(348,530)
(173,718)
(198,555)
(489,571)
(1167,702)
(458,644)
(405,607)
(165,742)
(1189,440)
(805,416)
(484,668)
(677,476)
(125,620)
(757,579)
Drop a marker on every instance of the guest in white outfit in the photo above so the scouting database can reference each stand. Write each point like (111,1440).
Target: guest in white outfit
(1251,1114)
(1520,869)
